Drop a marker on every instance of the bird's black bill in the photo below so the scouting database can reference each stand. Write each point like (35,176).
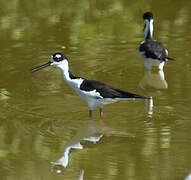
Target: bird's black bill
(40,67)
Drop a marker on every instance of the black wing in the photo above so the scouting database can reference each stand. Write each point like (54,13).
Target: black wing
(106,91)
(154,50)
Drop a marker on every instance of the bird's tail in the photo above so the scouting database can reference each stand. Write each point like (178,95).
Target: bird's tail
(134,96)
(168,58)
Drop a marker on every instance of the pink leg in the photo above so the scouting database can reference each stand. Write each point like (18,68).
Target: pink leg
(90,113)
(101,112)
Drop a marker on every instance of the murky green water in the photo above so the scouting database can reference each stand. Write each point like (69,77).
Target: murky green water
(45,132)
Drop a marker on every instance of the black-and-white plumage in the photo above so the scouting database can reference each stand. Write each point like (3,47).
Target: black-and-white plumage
(152,51)
(95,93)
(105,90)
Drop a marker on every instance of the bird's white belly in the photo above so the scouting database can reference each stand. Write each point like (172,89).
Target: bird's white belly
(149,63)
(152,62)
(94,98)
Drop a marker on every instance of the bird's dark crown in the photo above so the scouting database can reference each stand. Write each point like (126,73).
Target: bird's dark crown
(148,15)
(58,56)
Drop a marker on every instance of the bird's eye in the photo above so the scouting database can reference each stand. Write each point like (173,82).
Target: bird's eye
(57,57)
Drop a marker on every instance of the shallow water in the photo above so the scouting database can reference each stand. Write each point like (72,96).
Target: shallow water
(45,132)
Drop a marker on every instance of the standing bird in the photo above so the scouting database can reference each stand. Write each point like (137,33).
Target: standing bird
(152,51)
(95,93)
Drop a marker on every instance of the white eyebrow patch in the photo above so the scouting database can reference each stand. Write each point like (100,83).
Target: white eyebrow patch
(58,56)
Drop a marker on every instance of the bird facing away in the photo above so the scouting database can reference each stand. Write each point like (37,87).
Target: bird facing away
(95,93)
(152,51)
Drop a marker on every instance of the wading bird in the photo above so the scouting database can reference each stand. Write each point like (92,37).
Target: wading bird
(95,93)
(152,51)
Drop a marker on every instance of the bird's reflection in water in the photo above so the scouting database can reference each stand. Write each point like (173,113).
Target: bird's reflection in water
(91,134)
(154,83)
(149,106)
(153,79)
(81,176)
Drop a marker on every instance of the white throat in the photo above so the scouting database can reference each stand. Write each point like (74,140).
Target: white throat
(64,66)
(148,29)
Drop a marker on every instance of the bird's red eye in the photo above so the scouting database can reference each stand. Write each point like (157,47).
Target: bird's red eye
(58,57)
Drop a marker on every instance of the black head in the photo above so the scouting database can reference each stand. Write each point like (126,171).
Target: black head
(148,16)
(58,56)
(55,59)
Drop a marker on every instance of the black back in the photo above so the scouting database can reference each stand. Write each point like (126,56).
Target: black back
(106,91)
(154,50)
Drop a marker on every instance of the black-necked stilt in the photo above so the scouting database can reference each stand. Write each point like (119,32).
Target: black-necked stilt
(152,51)
(95,93)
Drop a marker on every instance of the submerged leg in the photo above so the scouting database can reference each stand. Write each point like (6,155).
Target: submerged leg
(101,112)
(161,65)
(147,64)
(90,113)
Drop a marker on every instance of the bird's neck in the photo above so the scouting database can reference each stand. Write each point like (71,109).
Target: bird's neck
(65,70)
(149,30)
(73,81)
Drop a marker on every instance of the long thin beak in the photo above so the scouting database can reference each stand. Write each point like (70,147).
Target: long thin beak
(42,66)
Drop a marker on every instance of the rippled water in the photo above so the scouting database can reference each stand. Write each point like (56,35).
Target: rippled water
(45,132)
